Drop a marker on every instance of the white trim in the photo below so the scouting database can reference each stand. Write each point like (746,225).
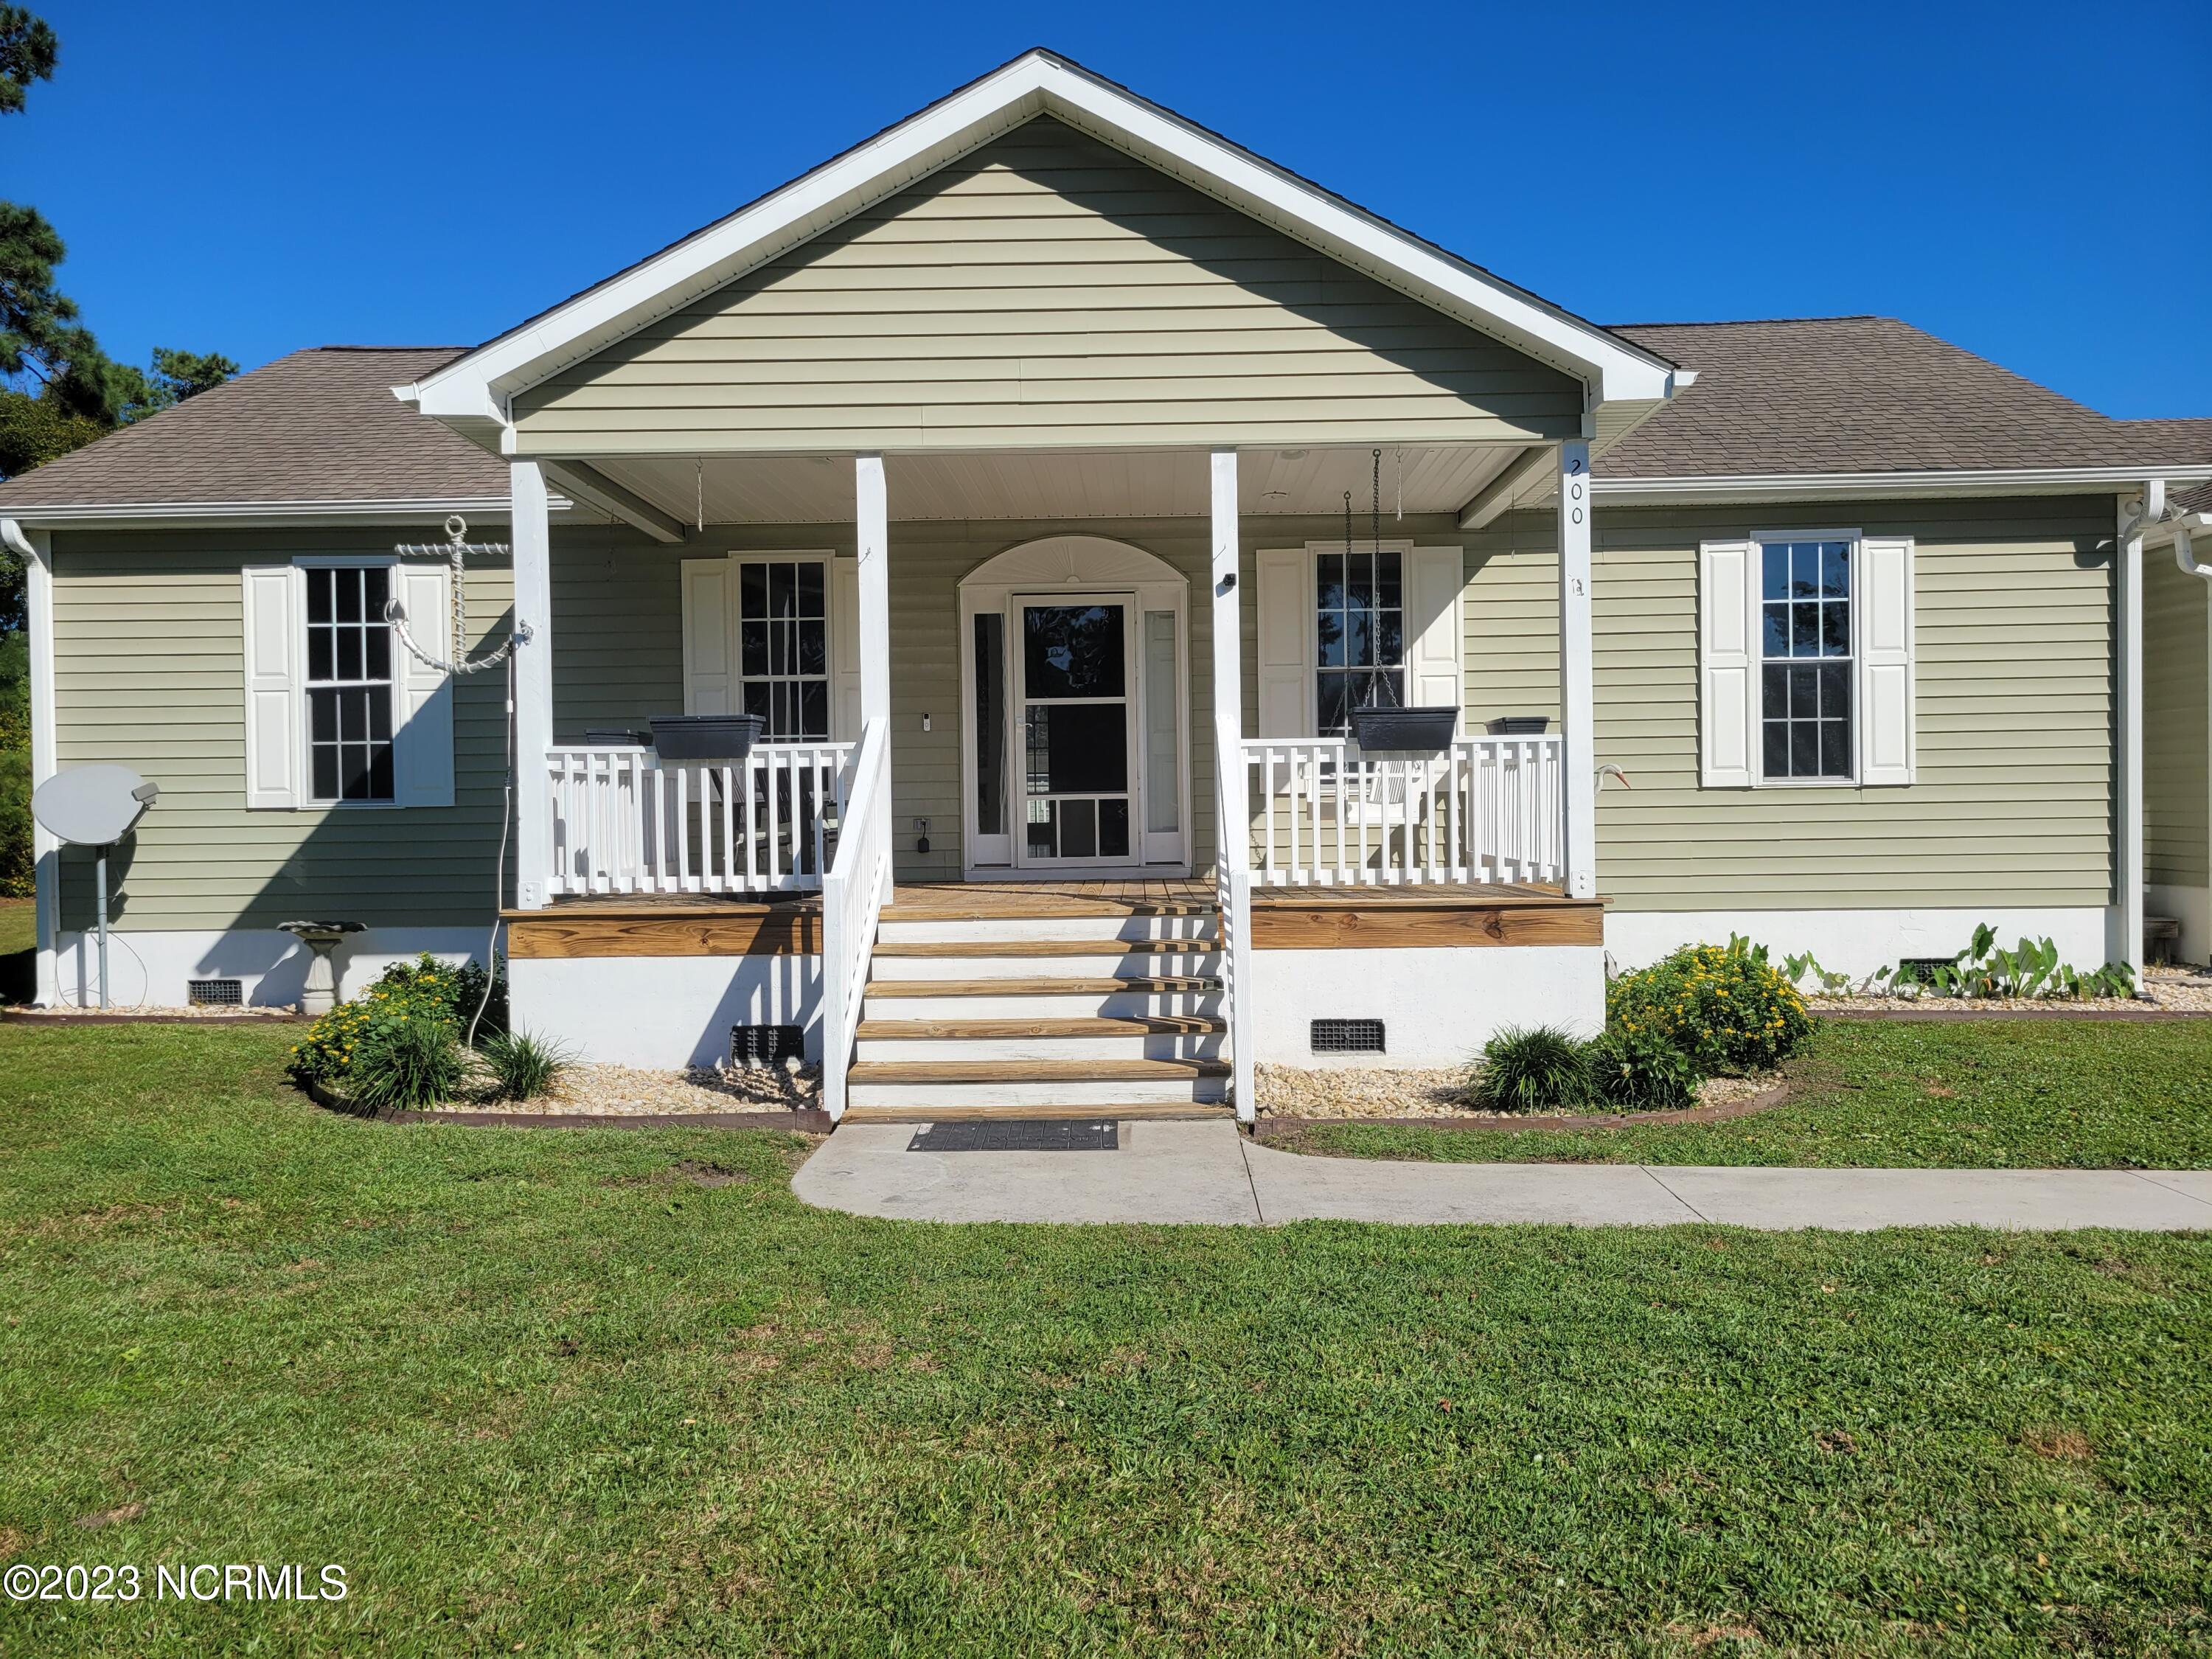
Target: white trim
(35,549)
(2128,860)
(476,388)
(532,542)
(1817,486)
(187,515)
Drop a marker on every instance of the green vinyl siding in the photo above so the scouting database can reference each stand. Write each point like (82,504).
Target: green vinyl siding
(1046,289)
(149,672)
(2176,694)
(2012,802)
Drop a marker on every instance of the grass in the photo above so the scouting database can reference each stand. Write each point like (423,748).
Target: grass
(2079,1094)
(607,1392)
(18,951)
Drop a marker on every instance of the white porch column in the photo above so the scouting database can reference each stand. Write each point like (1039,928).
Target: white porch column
(533,683)
(1233,882)
(1577,679)
(872,504)
(2124,939)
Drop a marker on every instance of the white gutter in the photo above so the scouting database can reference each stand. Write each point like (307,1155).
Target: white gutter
(1814,486)
(184,515)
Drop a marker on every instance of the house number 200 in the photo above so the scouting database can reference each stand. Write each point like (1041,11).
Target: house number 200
(1575,489)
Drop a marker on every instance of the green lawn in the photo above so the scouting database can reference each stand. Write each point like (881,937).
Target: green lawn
(1988,1094)
(18,951)
(545,1392)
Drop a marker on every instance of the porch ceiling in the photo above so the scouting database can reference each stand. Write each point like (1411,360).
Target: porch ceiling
(1090,485)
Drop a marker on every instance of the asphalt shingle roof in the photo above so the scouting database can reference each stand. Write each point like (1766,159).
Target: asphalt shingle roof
(319,425)
(1867,394)
(1821,395)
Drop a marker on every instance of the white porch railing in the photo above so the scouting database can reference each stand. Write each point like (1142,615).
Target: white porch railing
(1484,810)
(624,821)
(852,904)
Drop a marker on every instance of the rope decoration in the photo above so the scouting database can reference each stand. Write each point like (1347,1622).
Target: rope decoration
(456,544)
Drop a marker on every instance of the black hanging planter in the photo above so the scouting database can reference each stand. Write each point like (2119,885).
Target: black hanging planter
(705,737)
(1382,730)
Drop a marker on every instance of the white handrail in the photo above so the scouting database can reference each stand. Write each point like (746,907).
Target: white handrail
(1481,809)
(625,821)
(852,904)
(1232,892)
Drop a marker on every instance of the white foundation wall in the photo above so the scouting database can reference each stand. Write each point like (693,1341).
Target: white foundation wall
(1854,942)
(2192,907)
(150,968)
(663,1013)
(1438,1007)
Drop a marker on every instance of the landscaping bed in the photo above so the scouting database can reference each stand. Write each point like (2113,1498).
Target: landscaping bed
(1997,1092)
(620,1392)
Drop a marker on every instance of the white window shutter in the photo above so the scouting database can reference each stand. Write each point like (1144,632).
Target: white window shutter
(1435,631)
(423,719)
(1885,646)
(845,650)
(1283,655)
(1728,685)
(710,669)
(276,629)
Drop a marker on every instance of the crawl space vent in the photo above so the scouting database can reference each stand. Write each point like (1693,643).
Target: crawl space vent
(1347,1037)
(766,1045)
(215,993)
(1919,970)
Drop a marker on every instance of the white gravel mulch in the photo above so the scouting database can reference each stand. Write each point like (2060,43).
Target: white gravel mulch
(2188,989)
(155,1010)
(590,1089)
(1381,1091)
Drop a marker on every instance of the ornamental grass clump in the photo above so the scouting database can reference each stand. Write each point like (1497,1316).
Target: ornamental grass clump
(1536,1069)
(1723,1007)
(523,1067)
(413,1062)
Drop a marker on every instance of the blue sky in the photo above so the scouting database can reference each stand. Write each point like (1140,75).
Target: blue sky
(2027,181)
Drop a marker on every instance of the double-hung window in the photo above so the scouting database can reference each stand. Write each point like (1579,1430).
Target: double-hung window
(1359,635)
(349,685)
(783,640)
(1807,671)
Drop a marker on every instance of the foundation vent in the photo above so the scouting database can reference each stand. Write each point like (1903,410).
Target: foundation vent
(1347,1037)
(216,993)
(766,1045)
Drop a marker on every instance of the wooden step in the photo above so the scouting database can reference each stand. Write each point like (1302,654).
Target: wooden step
(1066,911)
(1043,988)
(1120,1111)
(1106,1025)
(995,948)
(1033,1071)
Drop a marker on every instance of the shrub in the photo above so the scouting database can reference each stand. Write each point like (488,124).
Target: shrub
(409,1061)
(1722,1006)
(523,1067)
(423,988)
(1638,1072)
(1530,1069)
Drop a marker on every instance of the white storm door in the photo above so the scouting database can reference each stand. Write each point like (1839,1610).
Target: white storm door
(1075,735)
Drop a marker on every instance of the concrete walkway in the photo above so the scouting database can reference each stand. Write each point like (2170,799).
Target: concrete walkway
(1208,1172)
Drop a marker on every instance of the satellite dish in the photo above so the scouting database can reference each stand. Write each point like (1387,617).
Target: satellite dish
(92,806)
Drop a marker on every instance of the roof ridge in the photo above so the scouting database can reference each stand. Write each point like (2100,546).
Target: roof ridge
(1760,322)
(380,347)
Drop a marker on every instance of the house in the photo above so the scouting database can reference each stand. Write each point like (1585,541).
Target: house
(1060,483)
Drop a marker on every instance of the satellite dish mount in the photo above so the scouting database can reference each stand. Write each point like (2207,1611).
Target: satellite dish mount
(94,806)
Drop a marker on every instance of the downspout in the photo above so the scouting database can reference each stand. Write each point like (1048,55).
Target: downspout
(34,549)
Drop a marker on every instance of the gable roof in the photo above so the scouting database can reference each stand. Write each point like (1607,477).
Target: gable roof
(1864,395)
(471,392)
(317,428)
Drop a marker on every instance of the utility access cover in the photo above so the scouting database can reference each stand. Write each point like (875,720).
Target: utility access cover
(1019,1134)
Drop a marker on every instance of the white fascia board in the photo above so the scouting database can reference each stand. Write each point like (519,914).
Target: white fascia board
(1817,486)
(477,387)
(187,515)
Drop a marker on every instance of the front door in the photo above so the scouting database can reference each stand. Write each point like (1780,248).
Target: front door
(1075,730)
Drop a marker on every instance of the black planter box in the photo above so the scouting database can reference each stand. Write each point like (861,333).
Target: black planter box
(1386,730)
(1520,725)
(705,737)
